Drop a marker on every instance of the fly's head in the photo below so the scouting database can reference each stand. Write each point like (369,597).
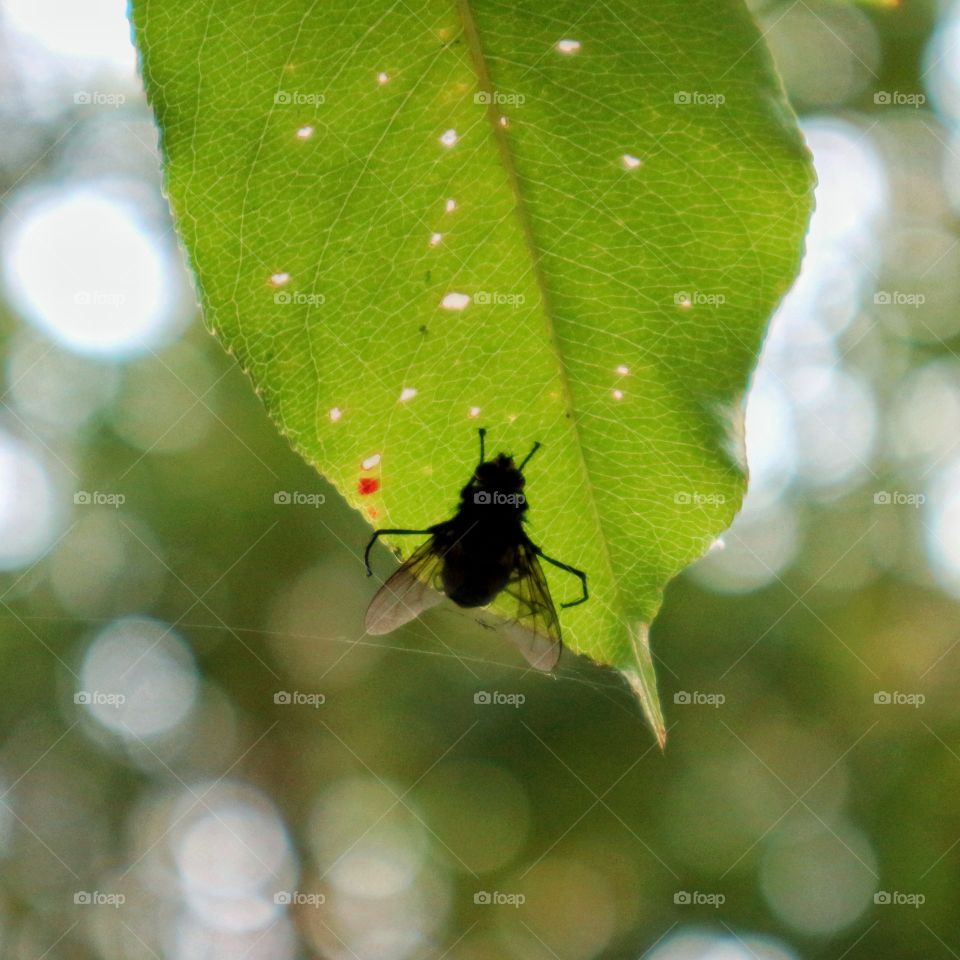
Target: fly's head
(498,482)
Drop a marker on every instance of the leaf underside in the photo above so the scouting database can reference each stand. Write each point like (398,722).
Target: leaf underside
(567,222)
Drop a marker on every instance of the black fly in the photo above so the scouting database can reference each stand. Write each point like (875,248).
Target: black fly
(479,553)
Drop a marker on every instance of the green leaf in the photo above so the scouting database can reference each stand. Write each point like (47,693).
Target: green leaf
(565,221)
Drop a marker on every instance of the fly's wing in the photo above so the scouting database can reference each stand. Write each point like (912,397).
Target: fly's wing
(535,628)
(409,592)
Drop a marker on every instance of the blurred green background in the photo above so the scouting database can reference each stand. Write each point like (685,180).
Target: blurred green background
(201,754)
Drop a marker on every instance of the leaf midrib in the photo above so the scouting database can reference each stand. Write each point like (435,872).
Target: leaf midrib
(486,85)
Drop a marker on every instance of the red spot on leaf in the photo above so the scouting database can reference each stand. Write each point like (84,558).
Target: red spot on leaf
(368,485)
(373,513)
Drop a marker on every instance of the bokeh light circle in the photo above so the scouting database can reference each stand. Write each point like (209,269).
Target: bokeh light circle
(138,678)
(941,514)
(86,271)
(688,943)
(838,37)
(821,881)
(56,388)
(94,31)
(28,514)
(233,856)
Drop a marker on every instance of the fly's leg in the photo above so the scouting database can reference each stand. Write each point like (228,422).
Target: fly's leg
(389,533)
(569,569)
(483,433)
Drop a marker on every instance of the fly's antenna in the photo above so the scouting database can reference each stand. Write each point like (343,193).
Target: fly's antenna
(526,459)
(483,433)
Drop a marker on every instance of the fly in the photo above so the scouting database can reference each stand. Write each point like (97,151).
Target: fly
(481,552)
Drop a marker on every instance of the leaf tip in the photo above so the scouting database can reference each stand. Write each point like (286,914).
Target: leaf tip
(642,679)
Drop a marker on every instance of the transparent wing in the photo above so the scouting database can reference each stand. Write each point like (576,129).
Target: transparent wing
(535,628)
(411,590)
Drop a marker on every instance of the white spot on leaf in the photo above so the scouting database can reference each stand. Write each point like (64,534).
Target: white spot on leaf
(383,78)
(617,394)
(435,238)
(450,205)
(568,46)
(455,301)
(623,370)
(407,393)
(474,411)
(371,462)
(335,414)
(305,133)
(279,279)
(630,162)
(449,138)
